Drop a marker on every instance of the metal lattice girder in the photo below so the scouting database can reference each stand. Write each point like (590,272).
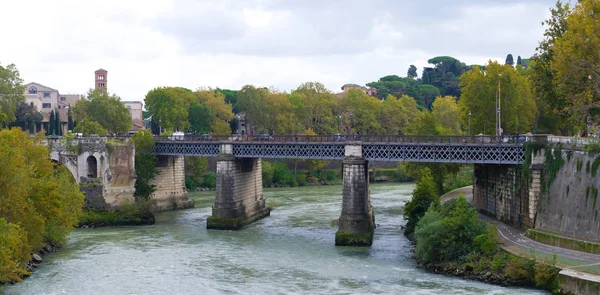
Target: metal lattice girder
(289,150)
(186,149)
(492,154)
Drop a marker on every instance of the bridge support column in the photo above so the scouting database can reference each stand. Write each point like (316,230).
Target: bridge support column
(356,223)
(239,199)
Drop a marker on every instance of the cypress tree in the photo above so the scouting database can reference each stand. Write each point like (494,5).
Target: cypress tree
(510,60)
(69,119)
(51,124)
(519,61)
(58,124)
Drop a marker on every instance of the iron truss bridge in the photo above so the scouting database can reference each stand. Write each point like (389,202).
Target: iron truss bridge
(442,149)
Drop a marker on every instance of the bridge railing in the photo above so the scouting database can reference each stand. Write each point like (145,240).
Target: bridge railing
(477,139)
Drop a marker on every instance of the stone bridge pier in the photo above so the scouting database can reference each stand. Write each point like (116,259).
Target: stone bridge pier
(356,223)
(239,194)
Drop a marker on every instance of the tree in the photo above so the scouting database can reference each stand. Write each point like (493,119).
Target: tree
(57,123)
(397,114)
(231,97)
(446,114)
(41,203)
(412,72)
(196,167)
(26,116)
(51,124)
(316,108)
(11,93)
(479,96)
(200,118)
(220,110)
(365,111)
(576,63)
(89,127)
(169,106)
(105,109)
(424,195)
(553,107)
(428,93)
(519,61)
(145,164)
(509,60)
(70,124)
(250,101)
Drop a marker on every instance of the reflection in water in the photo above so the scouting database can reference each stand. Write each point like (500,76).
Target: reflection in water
(292,251)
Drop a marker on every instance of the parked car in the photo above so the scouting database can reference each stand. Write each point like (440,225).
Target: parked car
(338,137)
(262,137)
(205,137)
(177,135)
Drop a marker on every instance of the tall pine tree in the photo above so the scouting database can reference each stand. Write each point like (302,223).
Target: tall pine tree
(519,61)
(51,124)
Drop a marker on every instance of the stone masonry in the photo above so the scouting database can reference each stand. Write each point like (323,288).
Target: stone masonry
(239,196)
(356,224)
(170,191)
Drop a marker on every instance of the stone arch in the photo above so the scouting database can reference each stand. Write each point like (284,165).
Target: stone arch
(92,167)
(70,169)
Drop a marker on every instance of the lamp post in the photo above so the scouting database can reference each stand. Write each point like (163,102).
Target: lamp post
(469,123)
(499,107)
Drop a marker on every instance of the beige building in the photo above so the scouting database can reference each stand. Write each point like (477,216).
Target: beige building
(135,111)
(46,99)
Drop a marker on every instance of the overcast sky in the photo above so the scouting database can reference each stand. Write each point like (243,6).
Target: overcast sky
(278,43)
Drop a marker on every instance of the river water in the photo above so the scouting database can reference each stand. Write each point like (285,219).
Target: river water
(290,252)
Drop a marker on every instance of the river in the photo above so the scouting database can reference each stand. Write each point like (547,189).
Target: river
(290,252)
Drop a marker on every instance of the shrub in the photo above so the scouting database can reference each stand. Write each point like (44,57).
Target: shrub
(190,183)
(267,173)
(400,174)
(210,180)
(331,175)
(520,269)
(301,179)
(546,274)
(424,195)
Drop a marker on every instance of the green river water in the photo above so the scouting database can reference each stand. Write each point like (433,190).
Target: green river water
(290,252)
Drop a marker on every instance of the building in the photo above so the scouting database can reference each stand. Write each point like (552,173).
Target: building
(137,119)
(46,99)
(368,90)
(101,79)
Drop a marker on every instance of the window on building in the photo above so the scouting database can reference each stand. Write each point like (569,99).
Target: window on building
(100,77)
(62,98)
(46,106)
(46,94)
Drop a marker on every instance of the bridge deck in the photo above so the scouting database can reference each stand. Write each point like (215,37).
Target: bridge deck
(447,149)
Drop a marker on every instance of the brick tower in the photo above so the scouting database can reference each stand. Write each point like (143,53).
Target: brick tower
(101,79)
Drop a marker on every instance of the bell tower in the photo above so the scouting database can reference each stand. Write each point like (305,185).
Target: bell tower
(101,80)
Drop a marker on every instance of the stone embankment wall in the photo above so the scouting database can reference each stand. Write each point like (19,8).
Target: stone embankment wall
(170,191)
(119,175)
(568,205)
(500,191)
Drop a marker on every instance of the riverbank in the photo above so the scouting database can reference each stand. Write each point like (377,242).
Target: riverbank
(577,271)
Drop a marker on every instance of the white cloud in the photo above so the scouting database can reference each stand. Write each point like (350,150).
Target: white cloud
(279,43)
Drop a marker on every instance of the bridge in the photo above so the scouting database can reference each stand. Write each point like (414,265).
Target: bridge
(239,198)
(445,149)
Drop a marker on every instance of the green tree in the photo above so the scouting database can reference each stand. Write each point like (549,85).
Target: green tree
(11,93)
(169,106)
(397,114)
(200,118)
(509,60)
(105,109)
(479,96)
(220,110)
(57,126)
(446,114)
(553,106)
(40,201)
(70,124)
(89,127)
(195,167)
(231,97)
(412,72)
(428,93)
(145,164)
(576,63)
(424,195)
(365,110)
(27,116)
(519,61)
(52,124)
(316,108)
